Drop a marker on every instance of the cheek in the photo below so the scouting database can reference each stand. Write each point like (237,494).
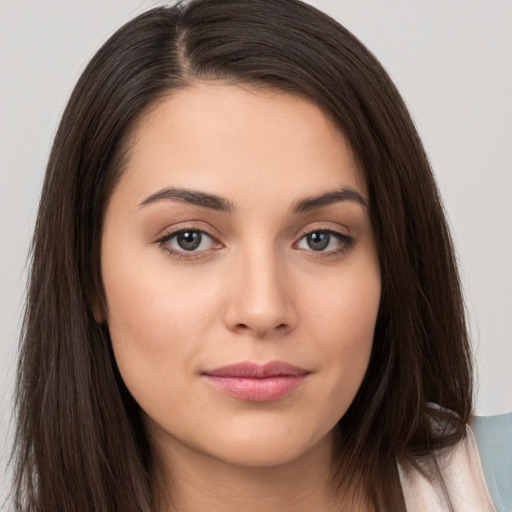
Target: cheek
(346,307)
(148,300)
(341,327)
(155,319)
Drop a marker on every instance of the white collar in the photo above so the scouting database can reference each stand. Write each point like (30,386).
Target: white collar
(462,482)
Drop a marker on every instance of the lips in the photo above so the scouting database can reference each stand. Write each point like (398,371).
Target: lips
(257,383)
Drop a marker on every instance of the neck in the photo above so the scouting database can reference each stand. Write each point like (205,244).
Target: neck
(190,481)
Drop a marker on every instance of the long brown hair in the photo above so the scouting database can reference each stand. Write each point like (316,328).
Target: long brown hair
(80,443)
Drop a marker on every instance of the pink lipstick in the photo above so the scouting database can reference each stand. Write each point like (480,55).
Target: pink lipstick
(257,383)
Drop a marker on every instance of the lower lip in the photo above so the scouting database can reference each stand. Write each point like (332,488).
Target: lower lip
(265,389)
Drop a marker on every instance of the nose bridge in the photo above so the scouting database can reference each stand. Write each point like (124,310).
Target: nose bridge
(260,301)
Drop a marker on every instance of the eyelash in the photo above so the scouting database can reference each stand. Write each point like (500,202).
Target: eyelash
(164,241)
(346,243)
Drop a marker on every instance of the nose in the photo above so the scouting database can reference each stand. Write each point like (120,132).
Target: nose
(261,301)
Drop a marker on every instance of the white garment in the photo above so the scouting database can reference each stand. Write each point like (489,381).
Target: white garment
(463,483)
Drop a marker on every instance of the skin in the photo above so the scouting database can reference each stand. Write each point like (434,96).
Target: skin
(254,290)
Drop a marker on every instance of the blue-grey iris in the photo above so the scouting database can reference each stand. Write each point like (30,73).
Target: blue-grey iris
(189,240)
(318,241)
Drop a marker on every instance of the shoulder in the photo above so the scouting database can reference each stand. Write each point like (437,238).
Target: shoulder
(450,479)
(475,475)
(494,440)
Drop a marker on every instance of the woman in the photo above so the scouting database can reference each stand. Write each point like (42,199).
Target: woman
(251,302)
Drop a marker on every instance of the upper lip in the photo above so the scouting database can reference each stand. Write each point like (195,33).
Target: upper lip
(258,371)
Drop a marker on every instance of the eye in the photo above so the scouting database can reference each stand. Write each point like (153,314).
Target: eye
(188,241)
(325,241)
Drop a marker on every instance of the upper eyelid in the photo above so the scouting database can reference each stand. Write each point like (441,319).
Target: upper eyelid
(169,233)
(302,232)
(325,229)
(343,236)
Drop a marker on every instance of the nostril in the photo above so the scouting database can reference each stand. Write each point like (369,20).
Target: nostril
(260,310)
(261,330)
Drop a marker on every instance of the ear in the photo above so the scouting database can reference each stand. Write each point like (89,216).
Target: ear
(98,309)
(97,314)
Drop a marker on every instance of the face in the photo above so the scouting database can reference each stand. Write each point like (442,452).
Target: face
(241,276)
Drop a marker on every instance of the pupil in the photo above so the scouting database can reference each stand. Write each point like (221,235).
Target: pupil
(318,241)
(189,240)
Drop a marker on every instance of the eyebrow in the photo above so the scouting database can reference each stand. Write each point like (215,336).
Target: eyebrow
(182,195)
(313,202)
(220,204)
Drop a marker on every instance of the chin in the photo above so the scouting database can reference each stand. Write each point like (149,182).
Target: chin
(267,448)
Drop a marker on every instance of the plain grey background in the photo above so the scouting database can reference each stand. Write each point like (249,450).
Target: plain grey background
(452,61)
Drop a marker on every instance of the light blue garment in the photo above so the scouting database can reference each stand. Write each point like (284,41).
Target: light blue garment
(494,439)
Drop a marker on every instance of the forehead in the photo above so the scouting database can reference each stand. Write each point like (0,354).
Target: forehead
(230,138)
